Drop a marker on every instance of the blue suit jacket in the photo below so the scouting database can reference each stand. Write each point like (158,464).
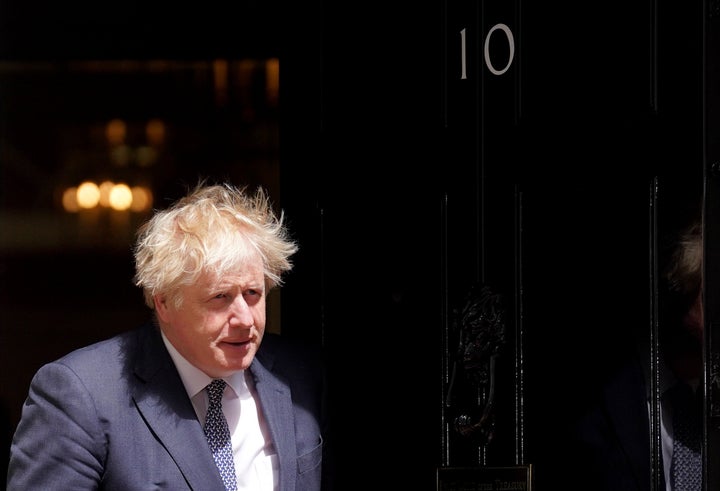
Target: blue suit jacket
(115,416)
(607,447)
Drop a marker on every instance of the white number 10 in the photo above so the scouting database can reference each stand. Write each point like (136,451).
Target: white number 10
(486,51)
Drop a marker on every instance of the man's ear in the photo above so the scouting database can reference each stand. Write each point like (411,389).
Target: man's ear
(161,306)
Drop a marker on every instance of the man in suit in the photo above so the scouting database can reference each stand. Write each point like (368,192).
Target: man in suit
(609,446)
(129,413)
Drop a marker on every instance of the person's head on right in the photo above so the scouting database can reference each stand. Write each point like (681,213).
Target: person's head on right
(682,335)
(685,277)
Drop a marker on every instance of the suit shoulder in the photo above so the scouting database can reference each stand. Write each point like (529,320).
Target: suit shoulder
(116,350)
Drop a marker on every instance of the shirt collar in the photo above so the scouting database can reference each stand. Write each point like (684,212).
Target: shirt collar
(194,379)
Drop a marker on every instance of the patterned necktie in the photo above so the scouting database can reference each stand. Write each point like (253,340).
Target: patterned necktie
(687,431)
(218,434)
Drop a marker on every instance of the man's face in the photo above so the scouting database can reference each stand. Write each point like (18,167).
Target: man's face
(693,320)
(221,322)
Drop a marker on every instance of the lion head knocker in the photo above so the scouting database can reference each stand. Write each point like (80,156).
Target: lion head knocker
(479,327)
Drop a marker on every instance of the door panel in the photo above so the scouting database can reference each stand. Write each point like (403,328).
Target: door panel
(483,158)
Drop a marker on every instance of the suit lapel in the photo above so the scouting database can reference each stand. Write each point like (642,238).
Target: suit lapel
(161,398)
(276,403)
(628,411)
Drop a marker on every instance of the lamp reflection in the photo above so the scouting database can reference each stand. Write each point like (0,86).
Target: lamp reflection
(116,196)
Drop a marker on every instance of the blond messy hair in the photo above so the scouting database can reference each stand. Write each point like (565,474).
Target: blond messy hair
(211,230)
(685,271)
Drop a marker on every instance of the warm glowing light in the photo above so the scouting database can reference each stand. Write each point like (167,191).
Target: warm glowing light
(141,198)
(272,81)
(120,197)
(105,188)
(220,77)
(88,195)
(69,200)
(155,132)
(115,131)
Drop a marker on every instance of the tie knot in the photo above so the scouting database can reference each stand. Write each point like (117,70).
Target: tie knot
(215,390)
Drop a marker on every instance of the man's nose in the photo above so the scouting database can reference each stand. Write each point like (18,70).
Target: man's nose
(241,316)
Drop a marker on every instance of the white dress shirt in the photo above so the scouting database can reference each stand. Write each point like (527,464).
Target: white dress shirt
(256,464)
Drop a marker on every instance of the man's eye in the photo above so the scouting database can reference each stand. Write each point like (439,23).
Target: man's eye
(220,295)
